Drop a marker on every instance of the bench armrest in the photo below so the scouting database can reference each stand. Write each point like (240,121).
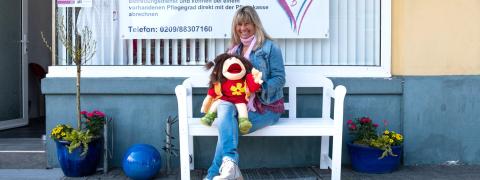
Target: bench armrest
(182,92)
(340,92)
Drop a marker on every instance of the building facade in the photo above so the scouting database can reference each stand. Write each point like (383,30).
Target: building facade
(428,91)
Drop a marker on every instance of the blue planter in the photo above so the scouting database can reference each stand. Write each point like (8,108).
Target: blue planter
(366,159)
(74,165)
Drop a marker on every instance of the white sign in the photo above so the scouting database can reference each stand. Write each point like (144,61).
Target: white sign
(183,19)
(74,3)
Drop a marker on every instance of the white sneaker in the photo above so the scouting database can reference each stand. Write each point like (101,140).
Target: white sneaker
(229,170)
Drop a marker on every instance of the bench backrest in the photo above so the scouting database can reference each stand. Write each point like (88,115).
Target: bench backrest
(292,84)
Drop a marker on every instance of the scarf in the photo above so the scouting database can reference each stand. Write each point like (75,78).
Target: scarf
(250,42)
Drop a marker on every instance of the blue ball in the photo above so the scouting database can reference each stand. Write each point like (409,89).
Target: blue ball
(141,161)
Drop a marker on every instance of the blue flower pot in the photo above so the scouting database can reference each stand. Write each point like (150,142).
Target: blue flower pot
(74,165)
(366,159)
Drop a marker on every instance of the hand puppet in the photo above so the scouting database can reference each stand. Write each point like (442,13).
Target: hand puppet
(233,79)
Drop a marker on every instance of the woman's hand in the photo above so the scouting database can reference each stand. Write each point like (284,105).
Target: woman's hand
(257,76)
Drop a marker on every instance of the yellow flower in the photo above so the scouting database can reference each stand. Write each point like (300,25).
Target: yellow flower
(63,133)
(386,132)
(238,89)
(391,140)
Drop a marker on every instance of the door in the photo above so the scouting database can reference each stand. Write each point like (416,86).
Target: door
(13,66)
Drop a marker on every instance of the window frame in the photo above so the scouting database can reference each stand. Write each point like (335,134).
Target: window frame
(384,70)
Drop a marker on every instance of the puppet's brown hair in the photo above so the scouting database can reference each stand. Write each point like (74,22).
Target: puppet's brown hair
(217,64)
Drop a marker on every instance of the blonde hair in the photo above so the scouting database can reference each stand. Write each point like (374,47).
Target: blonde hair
(249,15)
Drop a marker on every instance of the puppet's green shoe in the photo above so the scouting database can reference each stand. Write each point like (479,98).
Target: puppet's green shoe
(208,118)
(244,125)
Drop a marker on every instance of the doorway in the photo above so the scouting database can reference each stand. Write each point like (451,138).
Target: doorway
(22,106)
(13,69)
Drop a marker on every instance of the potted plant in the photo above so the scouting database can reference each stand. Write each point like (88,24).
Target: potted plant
(78,149)
(371,152)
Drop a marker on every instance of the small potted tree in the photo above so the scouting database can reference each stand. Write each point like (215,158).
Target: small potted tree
(371,152)
(78,149)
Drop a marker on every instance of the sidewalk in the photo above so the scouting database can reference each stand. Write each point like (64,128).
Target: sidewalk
(437,172)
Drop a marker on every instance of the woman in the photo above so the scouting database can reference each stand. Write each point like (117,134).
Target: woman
(250,40)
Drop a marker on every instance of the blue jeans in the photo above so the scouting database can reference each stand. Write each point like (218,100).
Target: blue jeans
(228,132)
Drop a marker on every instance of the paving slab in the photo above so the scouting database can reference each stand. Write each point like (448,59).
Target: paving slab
(31,174)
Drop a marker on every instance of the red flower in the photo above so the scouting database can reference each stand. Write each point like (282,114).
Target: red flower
(83,112)
(98,113)
(349,121)
(375,125)
(363,120)
(353,127)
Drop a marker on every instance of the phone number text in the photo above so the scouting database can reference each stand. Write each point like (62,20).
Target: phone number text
(167,29)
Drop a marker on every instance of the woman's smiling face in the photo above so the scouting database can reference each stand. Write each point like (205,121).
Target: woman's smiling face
(245,29)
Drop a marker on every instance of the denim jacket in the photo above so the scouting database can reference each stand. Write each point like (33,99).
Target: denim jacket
(268,60)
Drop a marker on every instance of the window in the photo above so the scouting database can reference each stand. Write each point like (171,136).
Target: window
(358,46)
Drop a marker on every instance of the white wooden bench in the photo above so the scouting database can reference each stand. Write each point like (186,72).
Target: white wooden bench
(291,126)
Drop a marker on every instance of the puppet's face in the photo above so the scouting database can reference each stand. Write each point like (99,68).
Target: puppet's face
(233,69)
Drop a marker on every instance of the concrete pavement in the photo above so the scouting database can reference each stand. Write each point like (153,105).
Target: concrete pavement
(436,172)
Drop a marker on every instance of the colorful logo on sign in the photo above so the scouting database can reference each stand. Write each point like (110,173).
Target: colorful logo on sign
(296,12)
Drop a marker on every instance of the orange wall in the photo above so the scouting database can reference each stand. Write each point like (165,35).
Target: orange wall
(436,37)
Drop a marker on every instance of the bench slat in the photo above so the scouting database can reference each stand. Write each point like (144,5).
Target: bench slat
(284,127)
